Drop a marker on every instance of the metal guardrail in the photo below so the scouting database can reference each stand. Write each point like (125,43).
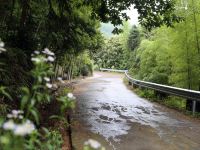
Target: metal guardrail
(180,92)
(112,70)
(185,93)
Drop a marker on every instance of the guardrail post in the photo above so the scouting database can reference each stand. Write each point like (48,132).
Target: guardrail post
(189,104)
(134,85)
(194,107)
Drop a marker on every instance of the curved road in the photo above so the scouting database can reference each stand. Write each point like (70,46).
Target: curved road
(111,113)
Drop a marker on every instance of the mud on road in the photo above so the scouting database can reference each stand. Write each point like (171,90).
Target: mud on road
(111,113)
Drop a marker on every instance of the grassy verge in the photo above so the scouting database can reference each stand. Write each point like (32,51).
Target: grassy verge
(173,102)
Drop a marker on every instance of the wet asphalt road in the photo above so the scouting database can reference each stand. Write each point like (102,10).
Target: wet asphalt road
(111,113)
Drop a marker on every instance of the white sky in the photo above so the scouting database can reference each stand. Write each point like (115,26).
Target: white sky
(106,28)
(133,14)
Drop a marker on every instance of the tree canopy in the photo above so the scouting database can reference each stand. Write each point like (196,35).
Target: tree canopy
(151,13)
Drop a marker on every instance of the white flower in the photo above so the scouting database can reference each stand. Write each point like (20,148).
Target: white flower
(1,47)
(46,79)
(49,85)
(20,130)
(60,79)
(93,144)
(37,52)
(2,44)
(71,96)
(37,60)
(48,52)
(15,112)
(9,125)
(29,126)
(21,117)
(50,58)
(9,116)
(24,129)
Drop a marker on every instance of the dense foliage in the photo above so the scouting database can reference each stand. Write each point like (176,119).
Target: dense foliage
(65,27)
(171,55)
(151,13)
(51,40)
(111,55)
(165,55)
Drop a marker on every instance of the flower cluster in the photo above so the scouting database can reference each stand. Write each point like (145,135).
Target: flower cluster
(47,79)
(38,59)
(48,52)
(25,128)
(49,58)
(48,84)
(93,144)
(16,114)
(71,96)
(43,57)
(2,49)
(50,55)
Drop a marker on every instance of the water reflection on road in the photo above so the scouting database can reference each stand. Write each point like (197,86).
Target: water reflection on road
(106,107)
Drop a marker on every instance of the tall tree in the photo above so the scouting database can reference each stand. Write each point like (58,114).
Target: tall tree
(133,38)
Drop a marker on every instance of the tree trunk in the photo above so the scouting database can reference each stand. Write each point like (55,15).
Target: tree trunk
(22,31)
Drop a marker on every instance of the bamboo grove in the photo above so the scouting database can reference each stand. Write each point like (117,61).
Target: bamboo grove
(165,55)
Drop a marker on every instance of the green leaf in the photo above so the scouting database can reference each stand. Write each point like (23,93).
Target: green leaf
(35,115)
(3,91)
(59,118)
(24,101)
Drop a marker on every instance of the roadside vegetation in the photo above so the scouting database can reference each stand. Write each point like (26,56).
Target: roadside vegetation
(173,102)
(45,44)
(169,101)
(164,55)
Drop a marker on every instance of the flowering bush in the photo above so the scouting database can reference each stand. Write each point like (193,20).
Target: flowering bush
(47,140)
(14,130)
(18,129)
(17,124)
(39,93)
